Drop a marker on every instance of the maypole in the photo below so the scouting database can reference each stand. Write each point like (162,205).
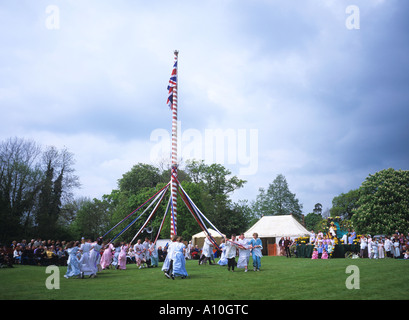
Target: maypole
(173,104)
(174,186)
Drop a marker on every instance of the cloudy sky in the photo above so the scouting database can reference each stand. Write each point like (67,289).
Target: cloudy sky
(298,88)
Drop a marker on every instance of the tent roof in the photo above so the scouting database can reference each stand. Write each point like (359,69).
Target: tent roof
(198,238)
(277,226)
(202,234)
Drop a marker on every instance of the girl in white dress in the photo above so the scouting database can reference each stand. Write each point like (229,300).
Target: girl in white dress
(179,262)
(396,251)
(86,264)
(138,249)
(244,253)
(223,259)
(381,252)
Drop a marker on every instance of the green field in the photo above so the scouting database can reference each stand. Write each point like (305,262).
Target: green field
(280,278)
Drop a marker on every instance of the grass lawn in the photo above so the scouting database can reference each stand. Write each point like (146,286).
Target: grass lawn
(279,278)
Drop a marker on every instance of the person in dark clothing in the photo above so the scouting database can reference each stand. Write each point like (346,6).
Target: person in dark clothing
(287,244)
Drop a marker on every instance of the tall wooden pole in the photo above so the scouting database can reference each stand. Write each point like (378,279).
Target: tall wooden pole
(174,164)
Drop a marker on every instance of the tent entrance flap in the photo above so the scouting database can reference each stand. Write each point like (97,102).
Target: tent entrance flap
(268,246)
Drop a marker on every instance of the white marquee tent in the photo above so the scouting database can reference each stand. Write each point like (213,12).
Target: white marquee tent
(198,238)
(271,228)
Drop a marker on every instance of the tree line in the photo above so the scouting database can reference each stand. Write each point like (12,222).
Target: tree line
(34,183)
(379,206)
(37,184)
(36,197)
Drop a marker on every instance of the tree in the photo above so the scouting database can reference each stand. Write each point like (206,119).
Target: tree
(134,188)
(209,187)
(20,178)
(56,185)
(312,220)
(383,204)
(92,219)
(34,184)
(214,178)
(344,205)
(278,200)
(140,176)
(216,184)
(317,208)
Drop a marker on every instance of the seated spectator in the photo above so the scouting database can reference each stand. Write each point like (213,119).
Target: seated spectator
(38,243)
(61,256)
(27,256)
(39,255)
(406,254)
(130,257)
(6,259)
(17,254)
(50,255)
(195,253)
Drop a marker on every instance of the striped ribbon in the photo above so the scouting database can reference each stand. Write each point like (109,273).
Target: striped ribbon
(151,215)
(162,192)
(133,212)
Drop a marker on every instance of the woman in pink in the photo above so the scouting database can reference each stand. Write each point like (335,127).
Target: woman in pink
(106,258)
(122,256)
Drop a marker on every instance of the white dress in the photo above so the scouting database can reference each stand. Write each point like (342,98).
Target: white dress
(223,258)
(179,262)
(207,248)
(396,250)
(138,249)
(230,250)
(86,264)
(95,257)
(244,254)
(169,256)
(381,252)
(146,250)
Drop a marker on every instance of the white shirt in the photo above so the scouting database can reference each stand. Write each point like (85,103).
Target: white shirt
(171,250)
(138,248)
(363,243)
(244,243)
(388,245)
(230,250)
(207,248)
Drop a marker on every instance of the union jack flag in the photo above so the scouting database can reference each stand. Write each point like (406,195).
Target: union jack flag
(172,83)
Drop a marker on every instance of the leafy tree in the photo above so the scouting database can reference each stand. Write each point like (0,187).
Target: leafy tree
(312,220)
(140,176)
(34,184)
(209,187)
(20,178)
(216,185)
(57,183)
(92,219)
(47,213)
(344,205)
(278,200)
(383,204)
(317,208)
(214,178)
(70,210)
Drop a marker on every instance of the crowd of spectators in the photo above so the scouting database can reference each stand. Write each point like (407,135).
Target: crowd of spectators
(53,252)
(380,246)
(384,246)
(36,252)
(372,247)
